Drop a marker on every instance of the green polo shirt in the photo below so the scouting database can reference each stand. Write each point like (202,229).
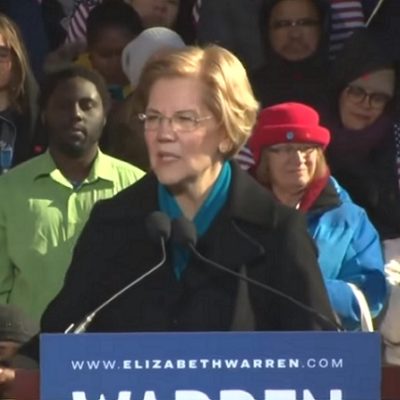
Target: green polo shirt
(41,217)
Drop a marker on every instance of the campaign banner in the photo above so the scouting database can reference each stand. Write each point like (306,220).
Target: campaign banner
(211,366)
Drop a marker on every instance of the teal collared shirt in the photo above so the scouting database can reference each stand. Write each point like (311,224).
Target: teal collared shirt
(204,216)
(41,217)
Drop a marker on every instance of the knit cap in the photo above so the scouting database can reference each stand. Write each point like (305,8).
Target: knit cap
(137,52)
(15,325)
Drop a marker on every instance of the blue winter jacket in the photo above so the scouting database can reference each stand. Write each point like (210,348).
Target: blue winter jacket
(349,251)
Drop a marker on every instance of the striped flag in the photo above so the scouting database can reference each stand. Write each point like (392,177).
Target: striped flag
(347,16)
(245,158)
(76,30)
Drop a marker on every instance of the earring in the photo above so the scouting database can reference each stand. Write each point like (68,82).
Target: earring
(224,147)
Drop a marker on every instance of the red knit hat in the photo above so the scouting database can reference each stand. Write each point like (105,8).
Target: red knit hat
(287,123)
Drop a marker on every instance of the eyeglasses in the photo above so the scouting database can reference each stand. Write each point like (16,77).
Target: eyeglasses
(302,23)
(375,99)
(290,149)
(180,122)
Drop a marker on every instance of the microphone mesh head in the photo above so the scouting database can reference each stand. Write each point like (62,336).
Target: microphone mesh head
(184,232)
(158,225)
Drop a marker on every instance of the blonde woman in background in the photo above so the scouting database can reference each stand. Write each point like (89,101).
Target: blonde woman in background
(18,93)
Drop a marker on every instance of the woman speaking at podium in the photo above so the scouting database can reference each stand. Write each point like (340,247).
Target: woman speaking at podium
(198,110)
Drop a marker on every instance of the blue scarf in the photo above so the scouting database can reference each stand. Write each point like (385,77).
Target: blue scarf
(204,217)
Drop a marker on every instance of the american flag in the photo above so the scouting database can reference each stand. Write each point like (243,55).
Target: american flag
(76,30)
(245,158)
(347,16)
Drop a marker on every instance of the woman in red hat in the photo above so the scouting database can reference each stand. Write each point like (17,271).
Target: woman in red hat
(288,145)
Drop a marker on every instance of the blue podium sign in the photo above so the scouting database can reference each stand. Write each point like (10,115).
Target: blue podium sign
(211,366)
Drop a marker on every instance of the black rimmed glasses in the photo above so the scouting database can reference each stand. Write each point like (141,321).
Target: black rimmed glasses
(179,121)
(358,94)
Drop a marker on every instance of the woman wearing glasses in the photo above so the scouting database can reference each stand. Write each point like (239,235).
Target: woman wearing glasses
(364,147)
(365,153)
(288,146)
(198,111)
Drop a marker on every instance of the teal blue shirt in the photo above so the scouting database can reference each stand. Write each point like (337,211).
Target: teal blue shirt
(41,217)
(204,216)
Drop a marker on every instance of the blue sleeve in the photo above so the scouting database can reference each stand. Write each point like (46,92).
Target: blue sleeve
(362,265)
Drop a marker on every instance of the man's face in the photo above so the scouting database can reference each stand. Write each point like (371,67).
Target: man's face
(157,12)
(294,29)
(74,117)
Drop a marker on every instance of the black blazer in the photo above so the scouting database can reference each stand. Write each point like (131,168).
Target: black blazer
(251,229)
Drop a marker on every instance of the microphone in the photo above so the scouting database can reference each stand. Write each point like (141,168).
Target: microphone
(184,233)
(158,226)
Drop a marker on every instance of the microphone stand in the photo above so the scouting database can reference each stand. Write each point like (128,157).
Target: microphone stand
(277,292)
(82,326)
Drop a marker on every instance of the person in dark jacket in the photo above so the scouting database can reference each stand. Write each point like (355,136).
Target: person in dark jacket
(123,135)
(362,118)
(110,27)
(191,137)
(296,42)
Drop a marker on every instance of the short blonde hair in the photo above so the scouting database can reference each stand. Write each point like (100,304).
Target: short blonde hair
(263,174)
(228,92)
(21,70)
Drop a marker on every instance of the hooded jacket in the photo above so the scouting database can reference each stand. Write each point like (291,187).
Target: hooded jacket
(304,81)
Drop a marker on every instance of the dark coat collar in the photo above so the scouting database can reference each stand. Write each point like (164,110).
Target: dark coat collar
(328,199)
(251,212)
(248,201)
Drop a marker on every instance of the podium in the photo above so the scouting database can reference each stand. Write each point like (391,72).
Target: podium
(261,366)
(26,385)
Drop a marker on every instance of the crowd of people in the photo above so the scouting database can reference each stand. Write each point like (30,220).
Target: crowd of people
(271,128)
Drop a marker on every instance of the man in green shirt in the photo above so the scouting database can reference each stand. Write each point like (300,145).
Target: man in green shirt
(45,202)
